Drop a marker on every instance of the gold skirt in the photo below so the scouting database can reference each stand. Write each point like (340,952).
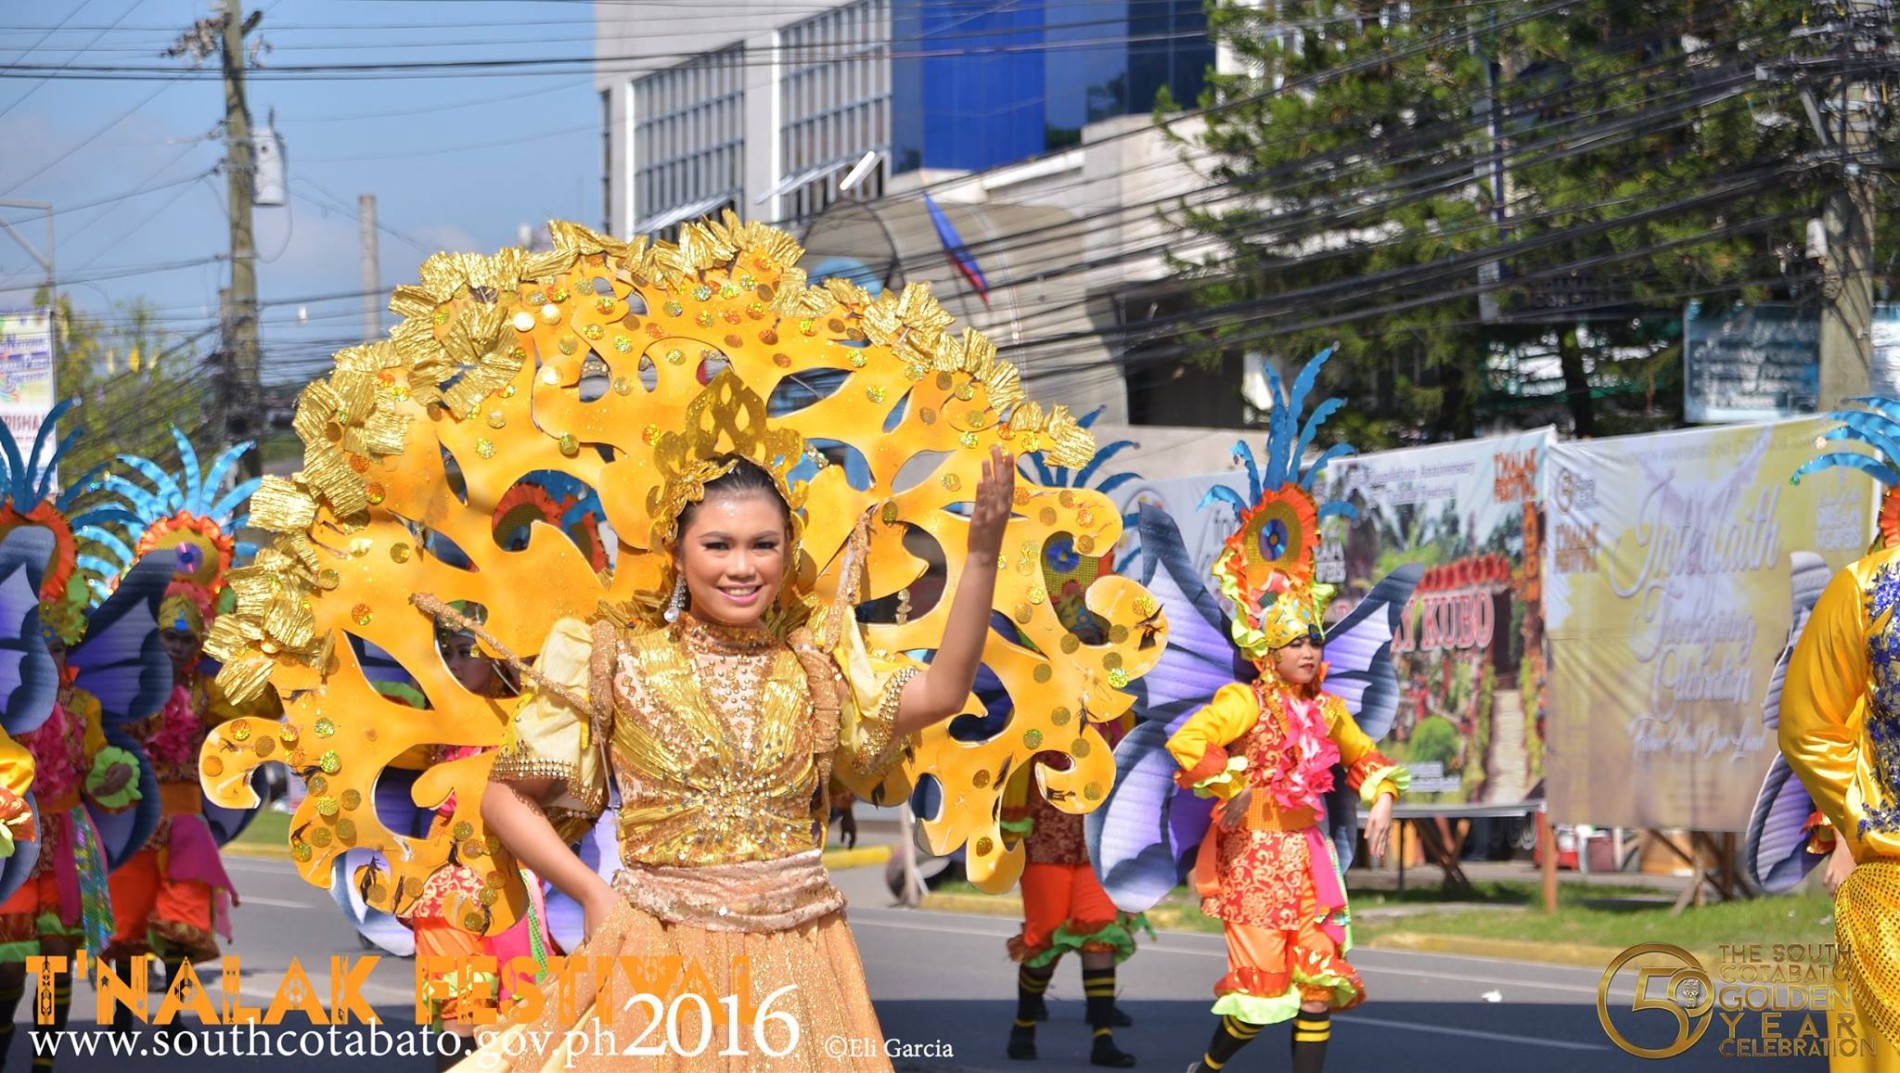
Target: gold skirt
(681,997)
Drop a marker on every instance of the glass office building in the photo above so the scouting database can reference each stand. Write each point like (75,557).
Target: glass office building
(977,84)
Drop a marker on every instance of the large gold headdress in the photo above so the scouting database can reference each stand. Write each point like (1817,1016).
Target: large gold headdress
(593,361)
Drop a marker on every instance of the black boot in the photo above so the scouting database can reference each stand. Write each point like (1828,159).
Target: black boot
(1098,985)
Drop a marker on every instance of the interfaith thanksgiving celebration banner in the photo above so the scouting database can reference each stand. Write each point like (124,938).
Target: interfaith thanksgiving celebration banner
(1666,598)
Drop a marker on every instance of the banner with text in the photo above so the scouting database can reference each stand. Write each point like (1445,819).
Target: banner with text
(1470,659)
(1666,598)
(1470,654)
(26,373)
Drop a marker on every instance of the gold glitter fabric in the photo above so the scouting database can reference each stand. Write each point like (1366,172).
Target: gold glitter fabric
(1840,707)
(816,967)
(711,738)
(1867,928)
(774,895)
(624,366)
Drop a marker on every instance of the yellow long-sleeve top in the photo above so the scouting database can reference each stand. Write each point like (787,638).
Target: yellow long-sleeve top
(1204,749)
(1840,706)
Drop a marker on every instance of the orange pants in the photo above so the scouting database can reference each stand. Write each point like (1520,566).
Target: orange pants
(1065,898)
(32,913)
(153,913)
(1275,963)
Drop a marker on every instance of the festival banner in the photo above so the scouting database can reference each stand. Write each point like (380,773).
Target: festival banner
(26,373)
(1667,602)
(1470,659)
(1470,654)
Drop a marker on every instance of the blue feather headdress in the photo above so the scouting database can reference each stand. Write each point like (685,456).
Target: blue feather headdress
(1878,426)
(1266,566)
(187,511)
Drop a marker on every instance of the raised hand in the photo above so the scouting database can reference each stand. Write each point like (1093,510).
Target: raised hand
(995,496)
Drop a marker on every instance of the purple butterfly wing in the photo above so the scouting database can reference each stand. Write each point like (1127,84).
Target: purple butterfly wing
(122,834)
(1360,672)
(121,660)
(1143,838)
(1775,847)
(29,682)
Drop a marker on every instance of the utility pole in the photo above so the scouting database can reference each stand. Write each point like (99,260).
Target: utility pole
(239,394)
(242,422)
(1860,39)
(372,284)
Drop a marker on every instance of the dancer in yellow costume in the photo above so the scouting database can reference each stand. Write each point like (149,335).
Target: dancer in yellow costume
(1270,751)
(653,375)
(1840,733)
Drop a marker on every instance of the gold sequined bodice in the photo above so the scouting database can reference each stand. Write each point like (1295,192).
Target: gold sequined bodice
(713,748)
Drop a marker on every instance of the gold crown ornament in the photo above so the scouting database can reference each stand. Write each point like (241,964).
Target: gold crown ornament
(638,369)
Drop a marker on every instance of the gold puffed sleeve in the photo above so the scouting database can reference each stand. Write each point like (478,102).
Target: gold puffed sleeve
(867,710)
(1827,679)
(552,737)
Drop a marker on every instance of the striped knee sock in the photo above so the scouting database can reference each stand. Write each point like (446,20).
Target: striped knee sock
(1229,1037)
(1310,1033)
(1030,985)
(1098,986)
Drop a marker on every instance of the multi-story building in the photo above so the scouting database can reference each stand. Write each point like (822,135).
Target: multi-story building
(1026,122)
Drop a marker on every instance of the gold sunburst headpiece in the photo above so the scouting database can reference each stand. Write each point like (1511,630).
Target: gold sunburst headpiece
(412,444)
(1266,565)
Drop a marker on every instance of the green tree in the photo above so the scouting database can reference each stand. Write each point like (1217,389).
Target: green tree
(1461,195)
(132,381)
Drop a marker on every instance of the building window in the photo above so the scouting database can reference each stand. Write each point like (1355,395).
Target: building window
(834,105)
(688,141)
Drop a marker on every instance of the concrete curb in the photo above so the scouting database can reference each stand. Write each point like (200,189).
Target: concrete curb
(1574,954)
(865,857)
(1579,955)
(983,905)
(268,851)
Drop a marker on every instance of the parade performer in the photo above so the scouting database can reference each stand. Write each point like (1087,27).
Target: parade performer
(173,898)
(1838,734)
(438,933)
(712,679)
(82,779)
(1064,906)
(1285,760)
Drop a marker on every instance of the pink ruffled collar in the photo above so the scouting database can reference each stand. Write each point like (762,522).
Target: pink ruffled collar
(176,741)
(1310,754)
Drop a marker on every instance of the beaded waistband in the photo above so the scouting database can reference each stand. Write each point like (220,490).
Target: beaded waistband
(756,896)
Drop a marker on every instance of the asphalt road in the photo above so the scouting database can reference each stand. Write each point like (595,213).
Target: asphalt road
(942,982)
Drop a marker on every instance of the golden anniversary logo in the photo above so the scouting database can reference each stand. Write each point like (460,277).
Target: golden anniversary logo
(1771,1000)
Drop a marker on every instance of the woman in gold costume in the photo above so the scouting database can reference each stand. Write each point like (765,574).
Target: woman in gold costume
(751,436)
(719,733)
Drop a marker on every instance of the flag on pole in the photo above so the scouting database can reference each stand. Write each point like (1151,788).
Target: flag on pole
(959,253)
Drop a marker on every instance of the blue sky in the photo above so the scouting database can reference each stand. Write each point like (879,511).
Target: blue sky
(455,162)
